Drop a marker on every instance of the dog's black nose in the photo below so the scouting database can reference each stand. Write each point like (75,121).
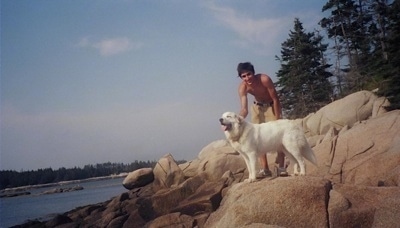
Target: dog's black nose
(221,120)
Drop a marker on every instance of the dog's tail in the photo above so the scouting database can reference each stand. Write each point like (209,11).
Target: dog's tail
(308,154)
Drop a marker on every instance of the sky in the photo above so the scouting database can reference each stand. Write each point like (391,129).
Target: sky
(95,81)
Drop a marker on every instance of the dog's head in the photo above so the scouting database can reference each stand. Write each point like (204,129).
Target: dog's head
(230,120)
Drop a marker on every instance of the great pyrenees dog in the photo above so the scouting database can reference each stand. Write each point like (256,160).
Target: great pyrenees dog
(253,140)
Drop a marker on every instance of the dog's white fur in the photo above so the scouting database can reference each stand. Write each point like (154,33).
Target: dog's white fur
(253,140)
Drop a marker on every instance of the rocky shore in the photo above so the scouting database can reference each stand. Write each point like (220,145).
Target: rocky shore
(356,182)
(24,190)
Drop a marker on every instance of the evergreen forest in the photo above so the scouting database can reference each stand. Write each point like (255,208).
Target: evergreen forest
(11,179)
(360,52)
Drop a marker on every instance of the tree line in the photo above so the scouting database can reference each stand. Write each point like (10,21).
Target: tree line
(362,54)
(11,179)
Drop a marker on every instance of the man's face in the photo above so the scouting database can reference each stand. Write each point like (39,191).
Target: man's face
(247,77)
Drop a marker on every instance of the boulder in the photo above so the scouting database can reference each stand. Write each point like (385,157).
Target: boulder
(217,158)
(346,111)
(367,154)
(171,221)
(190,168)
(364,206)
(195,195)
(287,202)
(58,220)
(167,173)
(205,199)
(138,178)
(337,204)
(379,106)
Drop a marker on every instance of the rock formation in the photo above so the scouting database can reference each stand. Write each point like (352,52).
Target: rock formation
(138,178)
(61,190)
(356,182)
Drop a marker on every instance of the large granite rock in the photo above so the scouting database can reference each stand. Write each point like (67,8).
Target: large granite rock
(367,154)
(275,202)
(356,183)
(167,173)
(364,206)
(138,178)
(214,160)
(344,112)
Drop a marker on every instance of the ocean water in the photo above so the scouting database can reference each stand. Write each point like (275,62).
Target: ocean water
(16,210)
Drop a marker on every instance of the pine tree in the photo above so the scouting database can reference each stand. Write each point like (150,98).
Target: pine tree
(360,29)
(366,33)
(391,76)
(353,27)
(303,80)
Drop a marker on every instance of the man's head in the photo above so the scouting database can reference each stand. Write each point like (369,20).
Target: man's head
(246,72)
(244,68)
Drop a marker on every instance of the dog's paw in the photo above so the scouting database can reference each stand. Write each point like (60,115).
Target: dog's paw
(249,180)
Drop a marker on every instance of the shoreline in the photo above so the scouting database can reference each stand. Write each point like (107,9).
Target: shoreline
(100,190)
(61,183)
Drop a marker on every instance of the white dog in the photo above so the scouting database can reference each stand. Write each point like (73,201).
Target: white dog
(252,140)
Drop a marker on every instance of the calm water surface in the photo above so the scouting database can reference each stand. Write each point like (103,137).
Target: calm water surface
(16,210)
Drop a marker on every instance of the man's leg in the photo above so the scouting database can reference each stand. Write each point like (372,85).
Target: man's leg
(280,160)
(264,161)
(264,166)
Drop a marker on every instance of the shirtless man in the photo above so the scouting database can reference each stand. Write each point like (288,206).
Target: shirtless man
(266,107)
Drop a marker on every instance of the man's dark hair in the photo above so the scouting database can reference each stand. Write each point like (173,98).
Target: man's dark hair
(245,67)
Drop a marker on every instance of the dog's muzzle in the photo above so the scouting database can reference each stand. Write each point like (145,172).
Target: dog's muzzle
(225,126)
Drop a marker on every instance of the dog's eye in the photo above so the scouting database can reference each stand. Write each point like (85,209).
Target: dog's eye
(229,117)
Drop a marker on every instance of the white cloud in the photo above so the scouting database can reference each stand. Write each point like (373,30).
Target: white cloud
(109,47)
(259,34)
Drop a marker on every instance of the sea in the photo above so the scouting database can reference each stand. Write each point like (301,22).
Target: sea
(17,210)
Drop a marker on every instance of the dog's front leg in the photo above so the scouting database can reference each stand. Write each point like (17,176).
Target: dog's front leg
(246,160)
(252,166)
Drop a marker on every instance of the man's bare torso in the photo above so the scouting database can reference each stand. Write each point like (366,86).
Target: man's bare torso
(258,90)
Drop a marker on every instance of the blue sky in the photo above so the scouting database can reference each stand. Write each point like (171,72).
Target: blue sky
(86,82)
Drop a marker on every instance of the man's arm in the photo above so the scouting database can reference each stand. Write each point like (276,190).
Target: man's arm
(267,82)
(243,100)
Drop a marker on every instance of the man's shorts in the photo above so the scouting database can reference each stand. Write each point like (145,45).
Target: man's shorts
(262,113)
